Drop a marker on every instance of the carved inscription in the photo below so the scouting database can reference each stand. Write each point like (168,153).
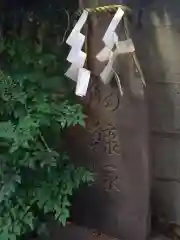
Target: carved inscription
(102,101)
(106,139)
(111,102)
(111,180)
(96,99)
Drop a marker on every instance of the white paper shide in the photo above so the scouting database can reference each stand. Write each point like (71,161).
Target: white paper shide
(111,40)
(113,47)
(77,57)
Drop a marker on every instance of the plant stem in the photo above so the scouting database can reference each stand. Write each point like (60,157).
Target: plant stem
(44,142)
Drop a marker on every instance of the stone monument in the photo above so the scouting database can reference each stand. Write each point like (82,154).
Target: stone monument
(114,145)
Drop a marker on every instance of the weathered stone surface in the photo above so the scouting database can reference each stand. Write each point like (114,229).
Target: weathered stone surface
(164,117)
(73,232)
(167,93)
(166,155)
(162,13)
(159,54)
(160,238)
(115,145)
(157,46)
(166,198)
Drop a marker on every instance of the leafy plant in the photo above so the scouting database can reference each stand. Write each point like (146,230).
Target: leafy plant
(36,175)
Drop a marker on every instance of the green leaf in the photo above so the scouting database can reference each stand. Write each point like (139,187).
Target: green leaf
(7,190)
(4,235)
(17,229)
(7,130)
(63,217)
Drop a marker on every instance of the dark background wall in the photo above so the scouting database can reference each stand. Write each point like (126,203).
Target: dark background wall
(157,45)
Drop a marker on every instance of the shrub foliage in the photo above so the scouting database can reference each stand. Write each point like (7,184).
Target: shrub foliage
(36,175)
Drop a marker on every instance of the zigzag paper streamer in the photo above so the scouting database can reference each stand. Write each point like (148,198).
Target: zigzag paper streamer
(77,57)
(111,39)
